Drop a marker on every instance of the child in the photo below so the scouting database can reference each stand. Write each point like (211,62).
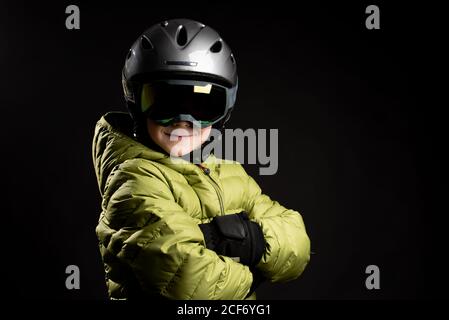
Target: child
(179,229)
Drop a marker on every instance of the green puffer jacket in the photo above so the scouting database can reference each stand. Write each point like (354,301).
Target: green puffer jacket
(148,231)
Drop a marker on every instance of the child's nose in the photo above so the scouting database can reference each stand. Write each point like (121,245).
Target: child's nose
(181,124)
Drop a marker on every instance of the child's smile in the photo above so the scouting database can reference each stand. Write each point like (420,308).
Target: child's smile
(179,138)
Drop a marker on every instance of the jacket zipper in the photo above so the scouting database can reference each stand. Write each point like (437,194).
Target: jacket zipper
(206,171)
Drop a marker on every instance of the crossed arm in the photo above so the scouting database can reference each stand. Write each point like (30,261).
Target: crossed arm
(144,227)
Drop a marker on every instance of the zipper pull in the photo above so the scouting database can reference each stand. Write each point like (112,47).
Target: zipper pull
(205,169)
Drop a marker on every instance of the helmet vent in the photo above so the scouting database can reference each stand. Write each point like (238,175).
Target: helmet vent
(181,36)
(232,59)
(216,47)
(146,43)
(129,54)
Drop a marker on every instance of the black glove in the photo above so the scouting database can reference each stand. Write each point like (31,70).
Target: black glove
(235,236)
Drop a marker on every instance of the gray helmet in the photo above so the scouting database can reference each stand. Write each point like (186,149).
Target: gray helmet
(180,52)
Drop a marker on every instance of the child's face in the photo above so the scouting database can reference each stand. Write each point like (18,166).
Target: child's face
(178,138)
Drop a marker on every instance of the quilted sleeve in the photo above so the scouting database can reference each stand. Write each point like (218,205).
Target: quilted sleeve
(288,245)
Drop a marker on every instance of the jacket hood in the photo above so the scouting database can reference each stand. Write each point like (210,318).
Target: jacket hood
(113,144)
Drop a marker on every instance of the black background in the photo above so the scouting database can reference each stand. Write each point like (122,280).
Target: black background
(357,149)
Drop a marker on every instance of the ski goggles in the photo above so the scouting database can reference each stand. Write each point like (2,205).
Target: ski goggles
(199,102)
